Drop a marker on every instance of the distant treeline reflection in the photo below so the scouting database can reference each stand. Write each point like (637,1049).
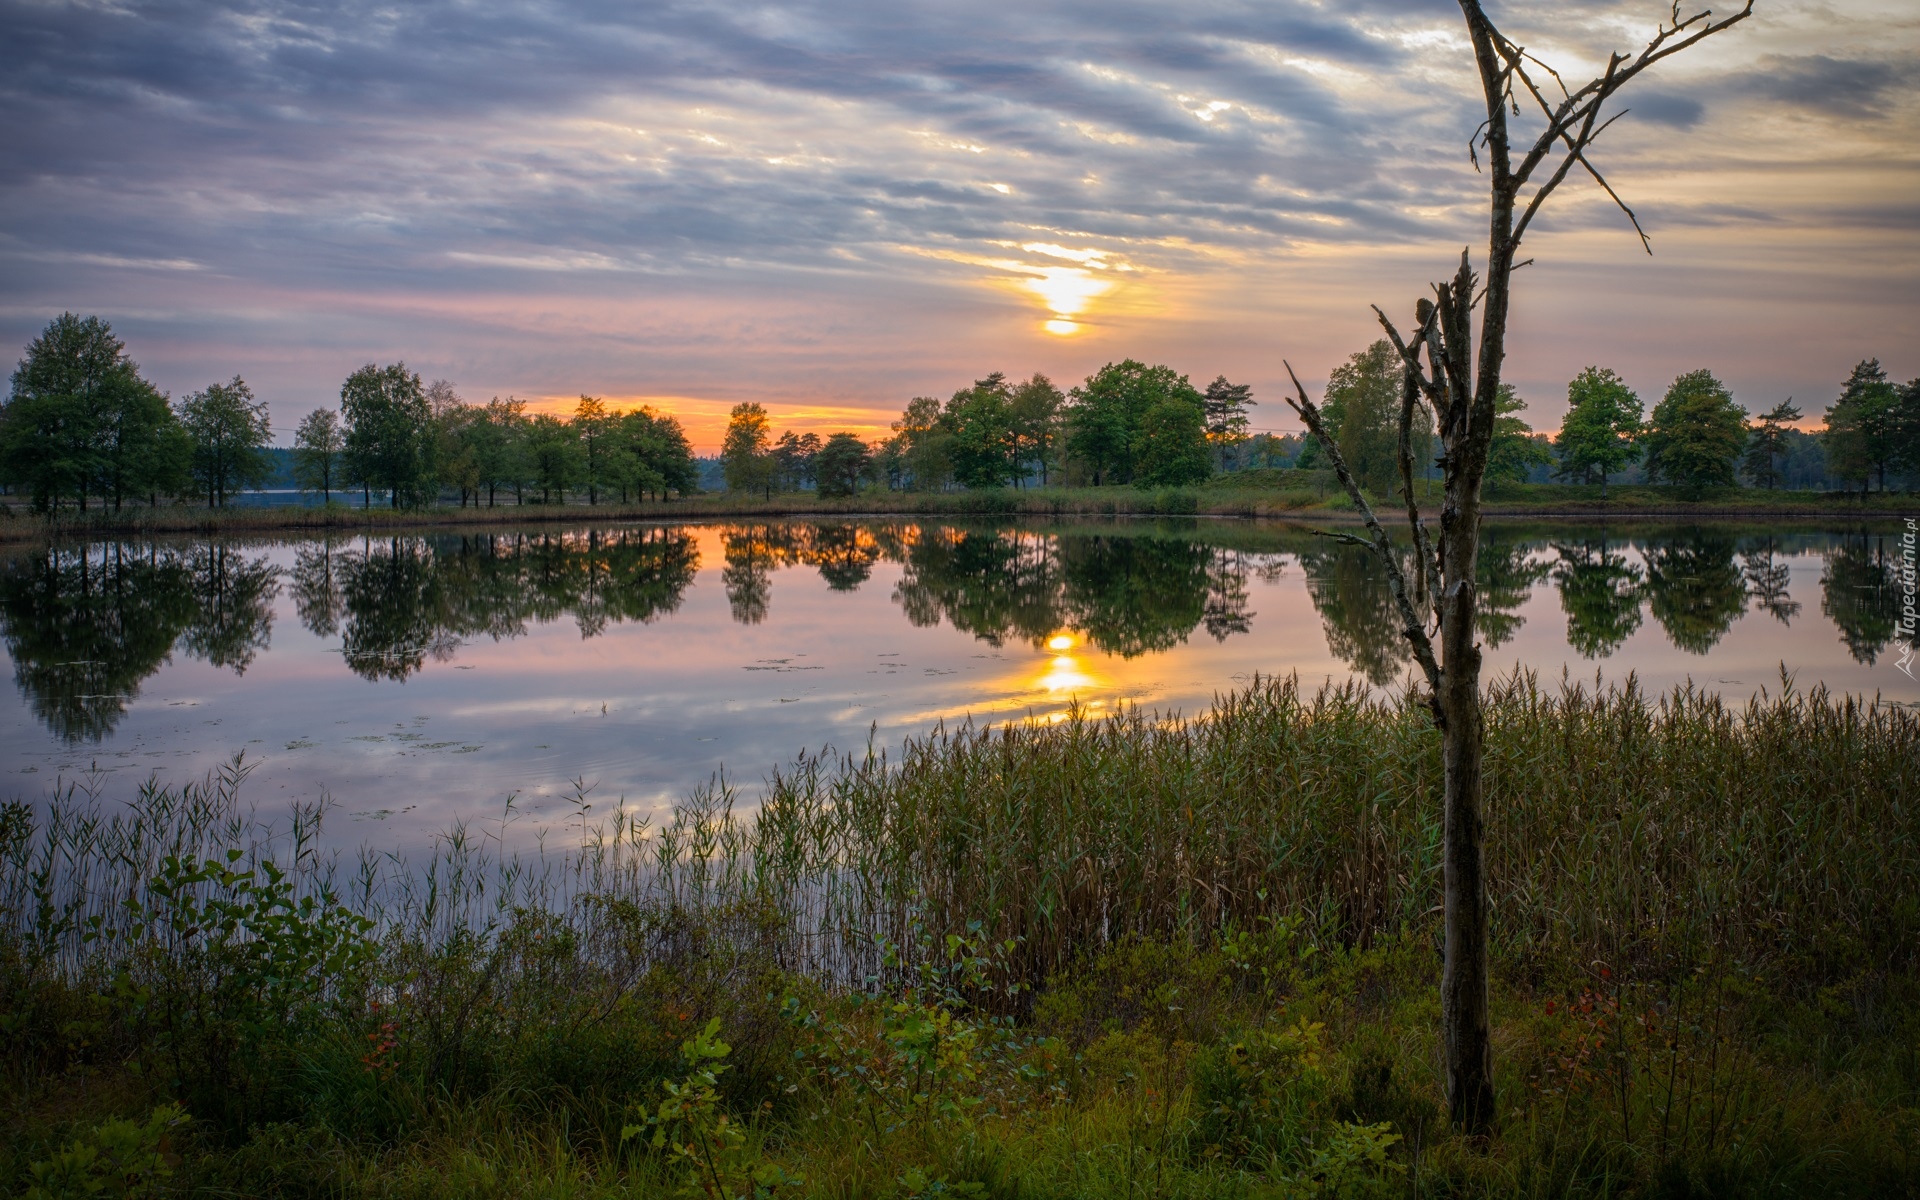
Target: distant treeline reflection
(86,625)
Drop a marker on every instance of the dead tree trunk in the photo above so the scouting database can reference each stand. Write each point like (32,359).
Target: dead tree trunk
(1444,371)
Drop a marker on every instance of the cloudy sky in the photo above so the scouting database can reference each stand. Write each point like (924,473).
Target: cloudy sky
(831,208)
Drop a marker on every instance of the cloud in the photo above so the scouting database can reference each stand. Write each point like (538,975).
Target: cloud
(491,171)
(1844,88)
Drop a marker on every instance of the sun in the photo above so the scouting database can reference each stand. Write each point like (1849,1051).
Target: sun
(1060,641)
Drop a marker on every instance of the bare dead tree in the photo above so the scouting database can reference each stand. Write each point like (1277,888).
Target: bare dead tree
(1440,599)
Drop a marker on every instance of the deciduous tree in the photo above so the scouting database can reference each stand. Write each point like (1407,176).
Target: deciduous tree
(317,446)
(229,432)
(1695,434)
(1602,422)
(389,442)
(1514,452)
(744,454)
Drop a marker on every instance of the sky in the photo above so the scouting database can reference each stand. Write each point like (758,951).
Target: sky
(832,208)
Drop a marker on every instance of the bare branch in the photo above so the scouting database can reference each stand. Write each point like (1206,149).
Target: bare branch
(1412,626)
(1426,579)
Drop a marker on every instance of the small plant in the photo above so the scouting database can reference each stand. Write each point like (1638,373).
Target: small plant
(1350,1163)
(121,1159)
(699,1135)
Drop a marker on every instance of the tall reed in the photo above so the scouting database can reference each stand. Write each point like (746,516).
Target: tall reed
(1652,833)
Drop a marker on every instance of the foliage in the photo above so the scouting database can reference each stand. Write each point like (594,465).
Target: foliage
(1109,428)
(1514,451)
(1598,435)
(746,454)
(1228,991)
(389,439)
(116,1158)
(229,433)
(1695,434)
(699,1135)
(317,446)
(1362,414)
(80,421)
(1767,442)
(1171,448)
(1226,407)
(1869,428)
(842,464)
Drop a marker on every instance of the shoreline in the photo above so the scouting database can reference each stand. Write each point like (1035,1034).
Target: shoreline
(1262,504)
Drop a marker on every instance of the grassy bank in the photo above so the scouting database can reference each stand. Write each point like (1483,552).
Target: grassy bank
(1094,958)
(1243,494)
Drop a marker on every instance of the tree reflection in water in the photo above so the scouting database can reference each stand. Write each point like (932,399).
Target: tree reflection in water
(1127,593)
(1767,580)
(405,600)
(1600,591)
(85,627)
(1858,593)
(1695,589)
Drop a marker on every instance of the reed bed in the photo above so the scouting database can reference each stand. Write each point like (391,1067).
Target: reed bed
(1653,832)
(1659,832)
(1123,954)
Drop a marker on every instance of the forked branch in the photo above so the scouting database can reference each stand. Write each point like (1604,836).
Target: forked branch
(1413,627)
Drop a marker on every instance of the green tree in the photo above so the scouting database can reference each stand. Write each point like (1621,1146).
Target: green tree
(456,456)
(390,438)
(1106,413)
(1362,415)
(500,447)
(1514,452)
(793,458)
(745,453)
(592,424)
(1034,414)
(922,441)
(553,457)
(1170,448)
(1863,427)
(81,420)
(1598,435)
(841,464)
(982,444)
(655,453)
(1227,418)
(317,446)
(1696,434)
(1767,442)
(230,432)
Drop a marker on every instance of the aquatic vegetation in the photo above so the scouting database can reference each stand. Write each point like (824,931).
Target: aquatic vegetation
(1100,957)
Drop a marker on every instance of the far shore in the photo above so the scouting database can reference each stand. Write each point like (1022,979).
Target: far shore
(1216,499)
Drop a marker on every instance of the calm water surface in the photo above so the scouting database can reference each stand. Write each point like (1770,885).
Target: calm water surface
(419,680)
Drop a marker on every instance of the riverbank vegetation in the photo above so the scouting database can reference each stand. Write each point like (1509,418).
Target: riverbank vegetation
(1095,958)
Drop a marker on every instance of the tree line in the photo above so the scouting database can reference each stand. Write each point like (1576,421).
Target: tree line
(81,424)
(1128,423)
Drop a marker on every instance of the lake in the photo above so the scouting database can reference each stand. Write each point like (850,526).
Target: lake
(423,679)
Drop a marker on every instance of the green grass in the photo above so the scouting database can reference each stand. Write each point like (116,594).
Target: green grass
(1131,956)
